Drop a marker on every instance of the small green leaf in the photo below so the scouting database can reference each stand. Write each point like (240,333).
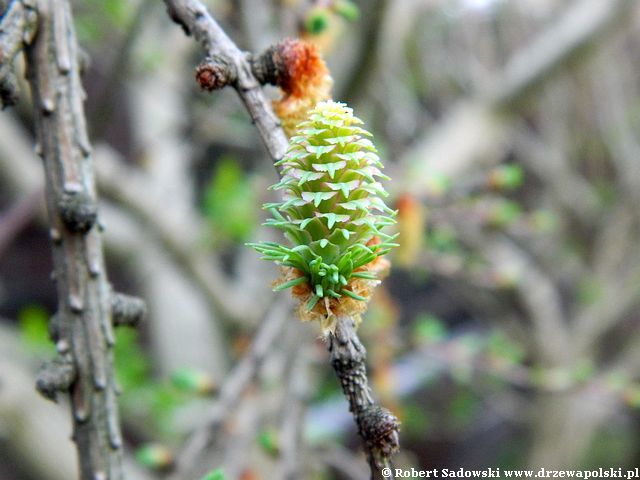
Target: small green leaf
(268,440)
(429,329)
(507,176)
(155,456)
(332,218)
(347,9)
(319,150)
(193,381)
(317,21)
(504,213)
(34,328)
(317,197)
(330,167)
(365,275)
(217,474)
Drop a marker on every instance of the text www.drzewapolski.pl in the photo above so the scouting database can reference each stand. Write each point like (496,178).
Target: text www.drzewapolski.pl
(500,473)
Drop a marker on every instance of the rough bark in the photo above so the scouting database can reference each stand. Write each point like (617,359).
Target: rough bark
(377,426)
(82,328)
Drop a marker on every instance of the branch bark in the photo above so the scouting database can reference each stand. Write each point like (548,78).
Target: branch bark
(376,425)
(82,327)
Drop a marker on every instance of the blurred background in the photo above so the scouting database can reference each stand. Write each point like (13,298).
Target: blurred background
(507,333)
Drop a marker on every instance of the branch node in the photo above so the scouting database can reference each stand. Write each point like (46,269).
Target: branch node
(127,310)
(215,73)
(77,210)
(48,106)
(75,302)
(55,376)
(380,428)
(30,3)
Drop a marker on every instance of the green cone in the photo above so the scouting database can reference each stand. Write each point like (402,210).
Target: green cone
(332,206)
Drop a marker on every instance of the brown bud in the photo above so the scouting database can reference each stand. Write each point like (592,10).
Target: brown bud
(214,73)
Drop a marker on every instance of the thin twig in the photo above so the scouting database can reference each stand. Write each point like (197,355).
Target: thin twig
(584,22)
(291,448)
(232,389)
(474,130)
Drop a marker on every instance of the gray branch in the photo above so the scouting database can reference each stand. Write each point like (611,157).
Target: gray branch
(82,327)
